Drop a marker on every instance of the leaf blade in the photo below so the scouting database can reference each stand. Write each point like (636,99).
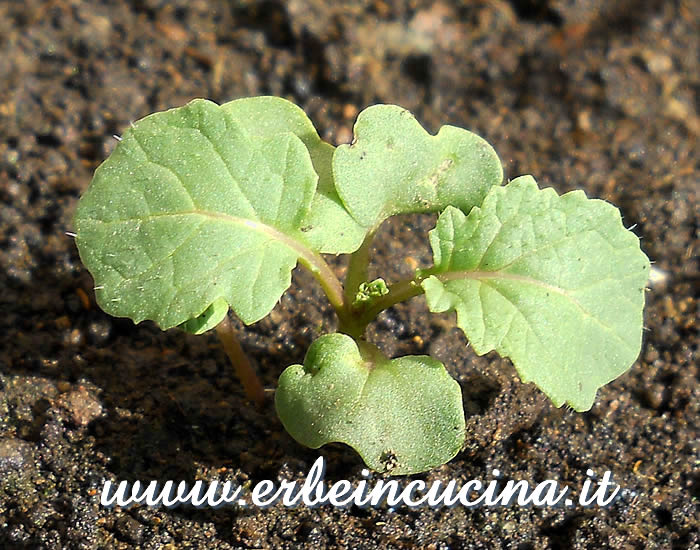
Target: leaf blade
(179,216)
(328,226)
(394,166)
(402,416)
(547,281)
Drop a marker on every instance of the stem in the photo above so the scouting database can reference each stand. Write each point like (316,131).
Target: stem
(406,289)
(324,275)
(357,269)
(371,354)
(241,364)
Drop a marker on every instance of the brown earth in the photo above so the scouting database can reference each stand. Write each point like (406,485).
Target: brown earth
(590,95)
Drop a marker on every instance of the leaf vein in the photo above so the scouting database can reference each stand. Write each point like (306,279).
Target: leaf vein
(177,176)
(253,213)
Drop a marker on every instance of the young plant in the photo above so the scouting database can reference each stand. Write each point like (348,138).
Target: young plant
(205,207)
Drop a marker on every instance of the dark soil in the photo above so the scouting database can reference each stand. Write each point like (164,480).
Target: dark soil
(590,95)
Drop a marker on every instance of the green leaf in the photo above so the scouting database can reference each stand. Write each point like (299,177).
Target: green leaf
(556,283)
(328,226)
(190,210)
(207,320)
(402,416)
(394,166)
(369,291)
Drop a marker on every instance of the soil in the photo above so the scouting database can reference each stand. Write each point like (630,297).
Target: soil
(590,95)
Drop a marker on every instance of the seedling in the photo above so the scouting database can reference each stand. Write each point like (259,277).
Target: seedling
(205,207)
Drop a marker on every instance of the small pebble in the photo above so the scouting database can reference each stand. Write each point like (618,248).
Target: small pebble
(657,277)
(657,63)
(15,455)
(82,406)
(130,529)
(99,331)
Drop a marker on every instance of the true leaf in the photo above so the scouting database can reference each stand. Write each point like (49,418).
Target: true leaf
(556,283)
(328,225)
(402,415)
(368,291)
(190,210)
(394,166)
